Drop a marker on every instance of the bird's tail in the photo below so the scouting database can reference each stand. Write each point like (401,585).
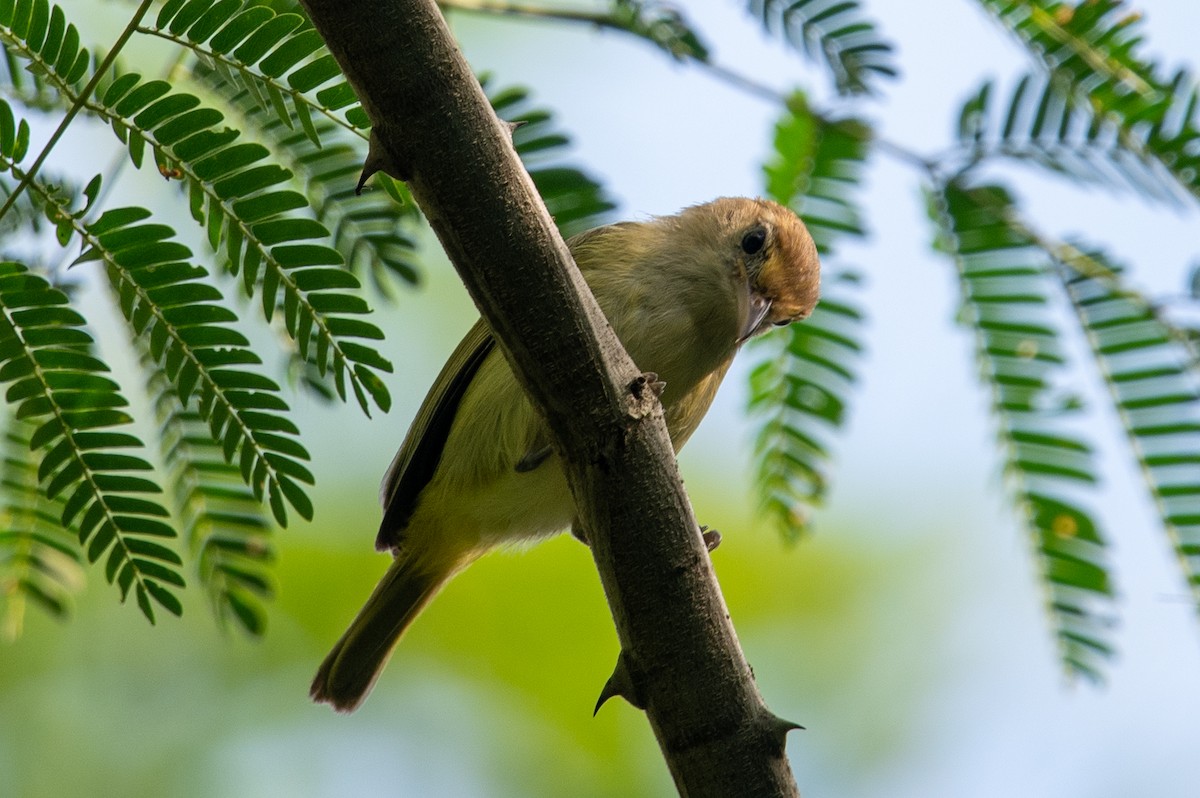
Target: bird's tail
(349,672)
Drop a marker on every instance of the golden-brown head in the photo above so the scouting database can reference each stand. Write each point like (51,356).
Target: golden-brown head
(772,255)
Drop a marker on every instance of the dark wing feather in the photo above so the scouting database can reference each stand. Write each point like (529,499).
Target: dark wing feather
(418,458)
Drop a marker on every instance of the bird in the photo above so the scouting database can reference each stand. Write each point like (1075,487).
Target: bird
(477,469)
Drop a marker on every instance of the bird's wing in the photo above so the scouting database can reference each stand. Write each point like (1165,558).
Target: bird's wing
(414,464)
(582,240)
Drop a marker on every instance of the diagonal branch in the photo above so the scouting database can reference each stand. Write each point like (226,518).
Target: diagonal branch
(433,127)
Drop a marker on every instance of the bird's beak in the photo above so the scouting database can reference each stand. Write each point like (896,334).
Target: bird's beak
(760,306)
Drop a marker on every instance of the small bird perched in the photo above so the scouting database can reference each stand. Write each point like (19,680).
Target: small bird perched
(477,470)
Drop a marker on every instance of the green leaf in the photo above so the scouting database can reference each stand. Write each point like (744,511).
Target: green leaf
(1044,125)
(226,176)
(1006,280)
(835,33)
(803,377)
(816,169)
(661,25)
(75,425)
(799,391)
(39,558)
(1091,53)
(1156,391)
(181,321)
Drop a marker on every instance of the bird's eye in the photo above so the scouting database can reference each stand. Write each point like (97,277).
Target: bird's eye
(752,242)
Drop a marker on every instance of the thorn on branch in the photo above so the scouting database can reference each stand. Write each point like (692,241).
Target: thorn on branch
(512,126)
(778,728)
(620,683)
(379,161)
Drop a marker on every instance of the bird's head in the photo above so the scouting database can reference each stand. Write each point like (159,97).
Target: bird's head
(699,283)
(772,261)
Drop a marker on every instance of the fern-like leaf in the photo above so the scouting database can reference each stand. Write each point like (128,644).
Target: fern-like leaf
(248,208)
(801,387)
(660,24)
(43,56)
(1007,281)
(375,231)
(1155,387)
(187,327)
(277,57)
(799,392)
(39,559)
(1040,124)
(836,33)
(817,170)
(236,193)
(222,521)
(52,377)
(1091,52)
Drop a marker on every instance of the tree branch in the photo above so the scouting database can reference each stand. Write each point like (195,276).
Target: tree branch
(680,660)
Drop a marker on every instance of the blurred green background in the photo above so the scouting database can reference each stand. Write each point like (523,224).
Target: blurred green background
(490,694)
(907,635)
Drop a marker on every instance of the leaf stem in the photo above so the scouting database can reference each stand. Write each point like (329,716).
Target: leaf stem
(1067,254)
(1090,54)
(221,59)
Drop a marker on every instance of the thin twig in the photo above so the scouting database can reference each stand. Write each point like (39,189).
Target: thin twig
(79,103)
(748,85)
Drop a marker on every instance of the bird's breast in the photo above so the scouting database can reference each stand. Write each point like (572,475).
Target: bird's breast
(682,342)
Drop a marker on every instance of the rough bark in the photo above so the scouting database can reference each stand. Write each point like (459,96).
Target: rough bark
(680,658)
